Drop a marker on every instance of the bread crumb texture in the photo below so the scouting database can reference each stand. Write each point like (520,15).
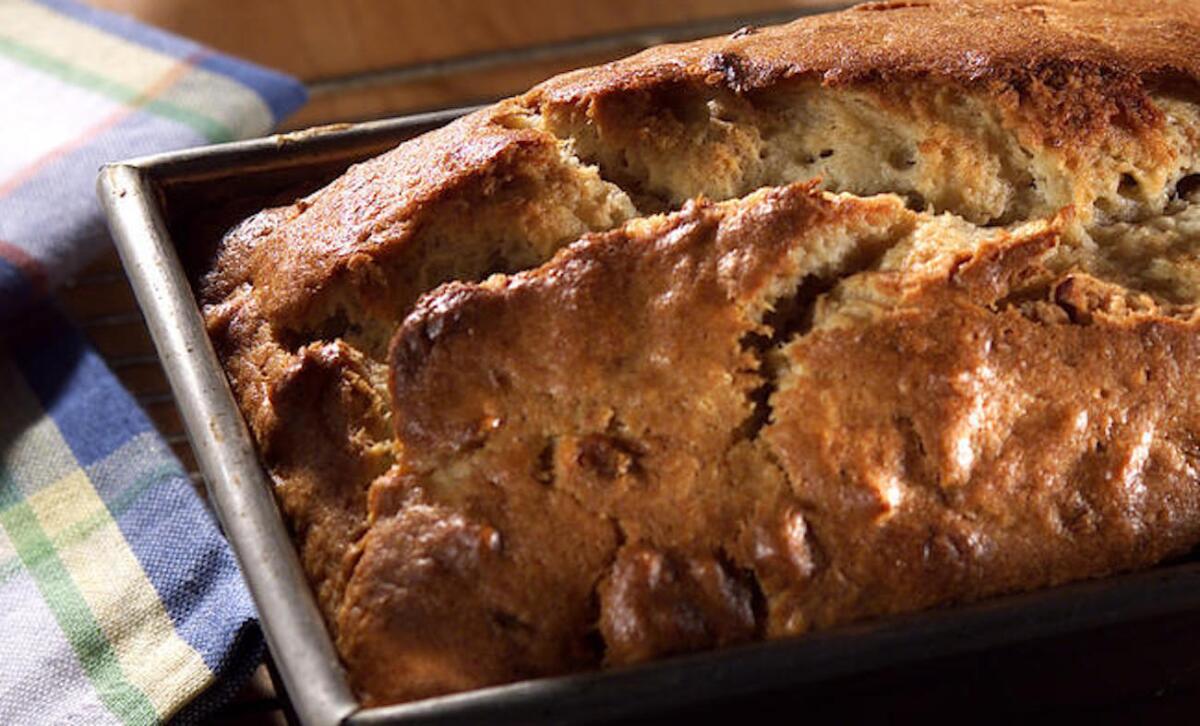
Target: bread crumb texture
(876,311)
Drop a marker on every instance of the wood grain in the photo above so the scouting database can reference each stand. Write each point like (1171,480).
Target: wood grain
(319,39)
(381,98)
(365,59)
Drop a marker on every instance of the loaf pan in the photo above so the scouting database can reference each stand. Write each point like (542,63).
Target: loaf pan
(168,211)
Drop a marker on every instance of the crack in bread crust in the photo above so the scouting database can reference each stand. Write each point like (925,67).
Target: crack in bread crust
(630,449)
(943,448)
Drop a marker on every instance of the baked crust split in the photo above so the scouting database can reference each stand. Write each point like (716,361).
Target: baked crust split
(872,312)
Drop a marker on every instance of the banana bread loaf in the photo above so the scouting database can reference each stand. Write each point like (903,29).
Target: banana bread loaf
(872,312)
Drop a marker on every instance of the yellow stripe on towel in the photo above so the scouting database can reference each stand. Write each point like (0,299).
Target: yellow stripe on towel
(131,68)
(120,596)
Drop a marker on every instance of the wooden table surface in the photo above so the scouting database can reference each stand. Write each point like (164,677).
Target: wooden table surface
(374,58)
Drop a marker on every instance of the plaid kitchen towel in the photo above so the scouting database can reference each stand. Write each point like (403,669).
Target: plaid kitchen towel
(119,600)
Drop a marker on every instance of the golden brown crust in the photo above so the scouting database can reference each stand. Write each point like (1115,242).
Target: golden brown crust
(962,445)
(1018,44)
(367,214)
(317,424)
(548,492)
(778,410)
(993,426)
(1063,61)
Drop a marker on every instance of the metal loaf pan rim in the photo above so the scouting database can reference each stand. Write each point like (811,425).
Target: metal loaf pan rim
(135,194)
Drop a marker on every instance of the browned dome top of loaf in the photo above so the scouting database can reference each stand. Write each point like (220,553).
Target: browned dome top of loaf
(1076,65)
(968,42)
